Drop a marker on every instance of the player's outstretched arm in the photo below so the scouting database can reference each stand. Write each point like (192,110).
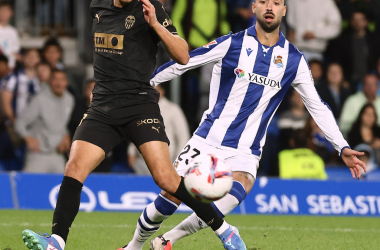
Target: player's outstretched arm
(177,47)
(355,165)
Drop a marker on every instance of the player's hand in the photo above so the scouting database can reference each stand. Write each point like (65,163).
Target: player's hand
(308,35)
(150,13)
(32,144)
(355,165)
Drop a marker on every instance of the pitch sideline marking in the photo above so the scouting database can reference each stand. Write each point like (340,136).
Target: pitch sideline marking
(343,230)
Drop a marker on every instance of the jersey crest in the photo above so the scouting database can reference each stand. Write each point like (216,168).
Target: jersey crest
(129,22)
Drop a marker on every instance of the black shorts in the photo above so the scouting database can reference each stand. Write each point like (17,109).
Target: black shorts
(139,130)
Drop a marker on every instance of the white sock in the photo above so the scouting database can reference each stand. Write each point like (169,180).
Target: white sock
(150,221)
(223,228)
(188,226)
(193,223)
(61,242)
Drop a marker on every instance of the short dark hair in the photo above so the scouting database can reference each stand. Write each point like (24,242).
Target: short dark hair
(4,3)
(58,71)
(3,58)
(52,42)
(300,138)
(315,61)
(364,13)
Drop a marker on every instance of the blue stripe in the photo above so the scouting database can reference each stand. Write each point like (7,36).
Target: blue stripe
(217,210)
(251,99)
(197,52)
(146,218)
(163,206)
(147,229)
(227,80)
(238,191)
(289,76)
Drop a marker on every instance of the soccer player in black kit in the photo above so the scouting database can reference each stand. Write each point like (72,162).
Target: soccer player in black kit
(126,34)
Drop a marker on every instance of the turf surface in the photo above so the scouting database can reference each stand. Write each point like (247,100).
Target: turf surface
(109,231)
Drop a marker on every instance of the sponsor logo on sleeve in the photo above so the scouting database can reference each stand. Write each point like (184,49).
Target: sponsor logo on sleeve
(207,46)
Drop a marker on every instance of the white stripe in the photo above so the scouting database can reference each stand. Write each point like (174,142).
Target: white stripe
(254,120)
(237,94)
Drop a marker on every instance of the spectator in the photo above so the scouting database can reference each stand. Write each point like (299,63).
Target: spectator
(365,129)
(311,29)
(44,74)
(316,69)
(176,129)
(300,162)
(21,86)
(43,125)
(239,14)
(335,91)
(4,67)
(52,54)
(200,21)
(354,103)
(9,38)
(356,49)
(368,158)
(44,14)
(293,119)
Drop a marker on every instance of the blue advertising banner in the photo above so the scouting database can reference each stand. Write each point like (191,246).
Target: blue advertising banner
(274,196)
(6,200)
(269,195)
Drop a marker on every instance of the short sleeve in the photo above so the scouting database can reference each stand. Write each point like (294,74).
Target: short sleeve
(10,84)
(163,17)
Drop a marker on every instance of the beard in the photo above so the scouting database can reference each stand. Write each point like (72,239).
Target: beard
(268,27)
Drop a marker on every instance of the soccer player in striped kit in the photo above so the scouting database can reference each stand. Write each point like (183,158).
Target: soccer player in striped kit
(253,70)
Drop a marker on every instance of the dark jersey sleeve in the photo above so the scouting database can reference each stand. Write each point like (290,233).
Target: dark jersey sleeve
(163,17)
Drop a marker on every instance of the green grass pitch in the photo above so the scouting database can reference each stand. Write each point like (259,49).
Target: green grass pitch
(109,231)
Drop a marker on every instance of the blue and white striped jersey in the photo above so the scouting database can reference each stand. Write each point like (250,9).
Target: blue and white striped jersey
(249,81)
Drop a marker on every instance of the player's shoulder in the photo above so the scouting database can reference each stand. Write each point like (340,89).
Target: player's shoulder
(104,4)
(294,50)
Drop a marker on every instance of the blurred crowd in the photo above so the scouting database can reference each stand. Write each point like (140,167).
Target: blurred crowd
(42,103)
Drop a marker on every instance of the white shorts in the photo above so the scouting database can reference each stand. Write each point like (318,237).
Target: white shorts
(238,161)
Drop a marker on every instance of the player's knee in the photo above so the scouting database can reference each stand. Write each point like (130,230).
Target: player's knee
(166,183)
(245,179)
(73,170)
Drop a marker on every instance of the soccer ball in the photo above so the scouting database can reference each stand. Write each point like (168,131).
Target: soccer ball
(208,178)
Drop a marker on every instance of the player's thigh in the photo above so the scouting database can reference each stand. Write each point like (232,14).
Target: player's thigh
(157,158)
(92,141)
(192,149)
(244,169)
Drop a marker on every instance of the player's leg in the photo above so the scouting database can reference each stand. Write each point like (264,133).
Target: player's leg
(166,204)
(156,155)
(91,142)
(243,183)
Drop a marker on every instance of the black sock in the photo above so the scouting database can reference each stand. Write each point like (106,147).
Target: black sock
(67,206)
(203,210)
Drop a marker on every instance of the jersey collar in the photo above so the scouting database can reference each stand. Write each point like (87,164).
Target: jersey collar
(252,32)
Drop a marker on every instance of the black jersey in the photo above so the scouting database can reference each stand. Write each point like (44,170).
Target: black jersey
(125,49)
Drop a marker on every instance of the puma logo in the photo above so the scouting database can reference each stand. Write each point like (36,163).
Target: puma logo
(156,129)
(210,222)
(98,17)
(54,224)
